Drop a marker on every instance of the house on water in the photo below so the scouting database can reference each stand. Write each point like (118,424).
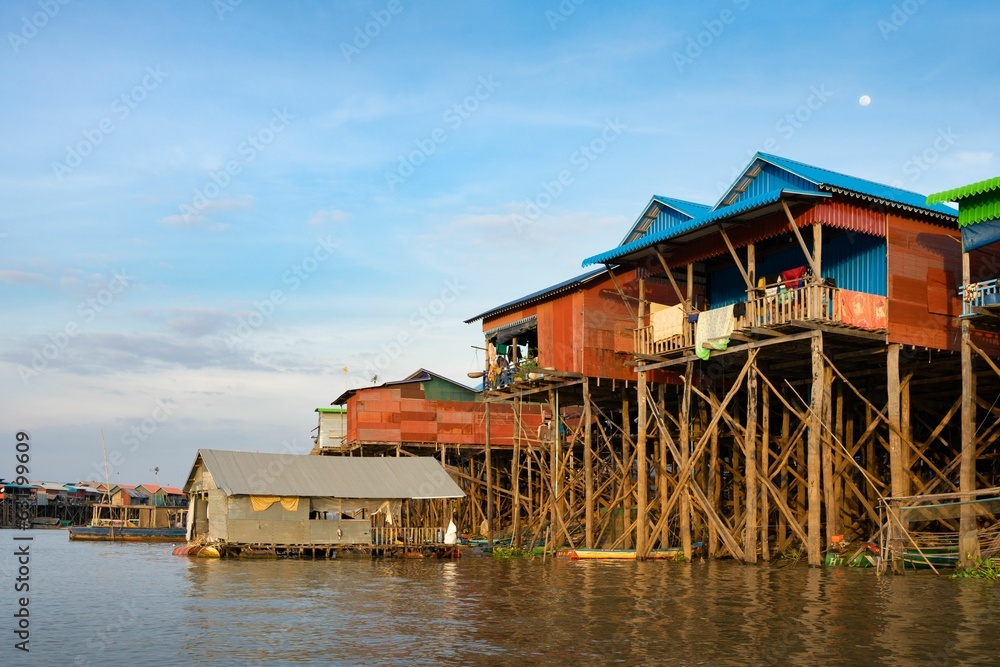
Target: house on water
(244,502)
(820,371)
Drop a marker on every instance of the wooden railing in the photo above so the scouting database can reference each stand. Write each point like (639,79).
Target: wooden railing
(810,303)
(815,303)
(388,535)
(977,295)
(645,343)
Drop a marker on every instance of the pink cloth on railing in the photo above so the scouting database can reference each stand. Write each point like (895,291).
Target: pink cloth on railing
(864,311)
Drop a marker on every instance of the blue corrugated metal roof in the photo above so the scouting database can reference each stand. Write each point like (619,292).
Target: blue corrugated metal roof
(832,179)
(564,286)
(662,213)
(707,218)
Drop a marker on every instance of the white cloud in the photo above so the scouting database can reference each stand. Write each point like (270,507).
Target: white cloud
(329,216)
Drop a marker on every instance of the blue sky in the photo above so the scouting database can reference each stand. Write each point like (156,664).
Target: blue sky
(219,215)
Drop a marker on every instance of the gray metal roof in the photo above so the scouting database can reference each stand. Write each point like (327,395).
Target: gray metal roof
(249,473)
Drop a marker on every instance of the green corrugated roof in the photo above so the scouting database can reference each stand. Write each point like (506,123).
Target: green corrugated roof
(977,202)
(337,409)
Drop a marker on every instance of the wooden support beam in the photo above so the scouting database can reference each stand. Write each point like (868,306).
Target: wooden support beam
(685,462)
(802,243)
(677,290)
(736,258)
(642,476)
(750,477)
(588,469)
(489,481)
(813,455)
(897,460)
(621,292)
(765,452)
(968,536)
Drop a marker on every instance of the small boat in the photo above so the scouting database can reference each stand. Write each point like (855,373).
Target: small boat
(133,523)
(670,553)
(45,523)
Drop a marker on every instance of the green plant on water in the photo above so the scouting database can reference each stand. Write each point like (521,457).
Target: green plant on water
(985,568)
(506,553)
(791,553)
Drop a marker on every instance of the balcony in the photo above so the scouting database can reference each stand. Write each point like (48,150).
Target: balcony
(979,298)
(768,313)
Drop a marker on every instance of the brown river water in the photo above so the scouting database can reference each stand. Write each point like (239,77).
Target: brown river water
(136,604)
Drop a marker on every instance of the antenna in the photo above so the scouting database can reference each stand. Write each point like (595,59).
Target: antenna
(107,479)
(156,474)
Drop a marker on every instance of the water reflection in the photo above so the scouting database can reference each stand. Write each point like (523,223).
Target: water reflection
(480,611)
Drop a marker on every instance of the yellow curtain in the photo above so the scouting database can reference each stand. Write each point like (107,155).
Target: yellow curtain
(261,503)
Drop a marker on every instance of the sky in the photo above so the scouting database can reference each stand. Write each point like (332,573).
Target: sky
(218,215)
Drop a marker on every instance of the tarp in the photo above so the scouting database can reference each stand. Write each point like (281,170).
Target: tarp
(980,234)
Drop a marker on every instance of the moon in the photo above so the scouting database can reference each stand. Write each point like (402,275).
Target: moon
(864,100)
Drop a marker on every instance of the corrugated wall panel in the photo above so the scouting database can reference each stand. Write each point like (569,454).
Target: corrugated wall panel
(772,178)
(855,261)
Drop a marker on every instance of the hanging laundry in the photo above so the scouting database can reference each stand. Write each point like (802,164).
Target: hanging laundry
(740,309)
(793,277)
(667,323)
(714,328)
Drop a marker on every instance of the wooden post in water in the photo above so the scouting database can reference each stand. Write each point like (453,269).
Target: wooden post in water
(813,454)
(685,438)
(765,465)
(515,474)
(750,451)
(588,468)
(489,482)
(642,478)
(968,540)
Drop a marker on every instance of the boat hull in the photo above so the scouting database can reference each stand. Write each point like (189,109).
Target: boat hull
(108,534)
(624,554)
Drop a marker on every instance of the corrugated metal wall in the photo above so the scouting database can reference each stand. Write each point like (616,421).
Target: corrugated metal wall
(855,261)
(667,218)
(772,178)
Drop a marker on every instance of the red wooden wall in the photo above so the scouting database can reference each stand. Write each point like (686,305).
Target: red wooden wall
(398,415)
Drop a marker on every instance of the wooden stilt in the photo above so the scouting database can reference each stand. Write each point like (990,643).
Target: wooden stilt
(489,481)
(765,452)
(684,524)
(968,540)
(588,468)
(813,457)
(750,476)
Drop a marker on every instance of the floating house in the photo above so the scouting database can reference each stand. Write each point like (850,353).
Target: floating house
(246,503)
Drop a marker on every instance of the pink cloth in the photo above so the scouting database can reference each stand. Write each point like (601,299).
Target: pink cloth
(864,311)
